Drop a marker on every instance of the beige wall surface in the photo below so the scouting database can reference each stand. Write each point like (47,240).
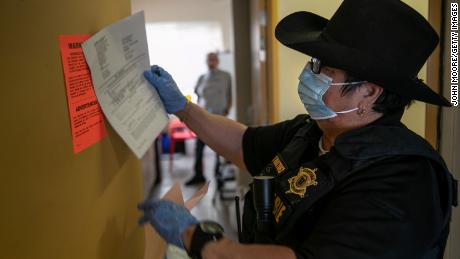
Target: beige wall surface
(55,204)
(292,62)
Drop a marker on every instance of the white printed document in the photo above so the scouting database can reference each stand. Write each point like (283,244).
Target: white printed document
(117,57)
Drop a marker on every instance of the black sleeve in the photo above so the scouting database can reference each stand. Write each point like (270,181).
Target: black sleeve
(393,212)
(261,144)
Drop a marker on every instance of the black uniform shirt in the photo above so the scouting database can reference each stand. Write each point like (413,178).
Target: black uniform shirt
(392,209)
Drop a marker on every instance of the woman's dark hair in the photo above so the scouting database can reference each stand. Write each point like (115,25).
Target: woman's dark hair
(387,103)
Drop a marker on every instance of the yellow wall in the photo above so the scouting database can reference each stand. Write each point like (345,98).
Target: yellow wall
(292,62)
(55,204)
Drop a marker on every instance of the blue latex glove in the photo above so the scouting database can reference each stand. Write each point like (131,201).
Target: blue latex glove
(168,219)
(170,94)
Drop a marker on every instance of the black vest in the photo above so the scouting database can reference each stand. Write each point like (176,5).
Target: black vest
(300,185)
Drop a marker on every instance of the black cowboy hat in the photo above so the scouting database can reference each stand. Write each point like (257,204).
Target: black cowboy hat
(383,41)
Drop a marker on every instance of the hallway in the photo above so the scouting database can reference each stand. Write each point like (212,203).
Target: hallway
(221,211)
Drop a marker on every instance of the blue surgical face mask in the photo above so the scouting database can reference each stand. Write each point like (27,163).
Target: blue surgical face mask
(311,89)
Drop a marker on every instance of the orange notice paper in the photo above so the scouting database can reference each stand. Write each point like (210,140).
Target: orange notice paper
(86,118)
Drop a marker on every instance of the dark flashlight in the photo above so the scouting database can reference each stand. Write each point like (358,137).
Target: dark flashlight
(263,197)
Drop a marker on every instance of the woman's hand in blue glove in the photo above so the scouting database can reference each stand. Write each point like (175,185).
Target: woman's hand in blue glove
(170,95)
(168,219)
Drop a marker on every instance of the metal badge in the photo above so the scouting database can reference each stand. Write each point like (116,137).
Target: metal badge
(305,177)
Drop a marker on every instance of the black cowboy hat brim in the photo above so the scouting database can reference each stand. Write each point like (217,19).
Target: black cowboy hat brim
(302,31)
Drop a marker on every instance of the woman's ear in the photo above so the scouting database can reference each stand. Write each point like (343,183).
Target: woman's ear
(370,93)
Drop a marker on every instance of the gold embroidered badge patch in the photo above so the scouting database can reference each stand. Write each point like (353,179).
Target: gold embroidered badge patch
(305,177)
(279,209)
(278,165)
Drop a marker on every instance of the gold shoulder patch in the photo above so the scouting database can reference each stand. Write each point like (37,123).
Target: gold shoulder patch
(278,165)
(305,177)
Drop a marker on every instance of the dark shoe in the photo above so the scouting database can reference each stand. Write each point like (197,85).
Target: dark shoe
(196,180)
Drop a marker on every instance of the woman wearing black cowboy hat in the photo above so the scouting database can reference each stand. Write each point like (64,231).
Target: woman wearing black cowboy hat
(350,180)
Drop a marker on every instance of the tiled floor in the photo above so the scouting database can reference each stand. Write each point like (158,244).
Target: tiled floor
(211,206)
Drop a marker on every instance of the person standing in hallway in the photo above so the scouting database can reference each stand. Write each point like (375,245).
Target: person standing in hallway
(214,91)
